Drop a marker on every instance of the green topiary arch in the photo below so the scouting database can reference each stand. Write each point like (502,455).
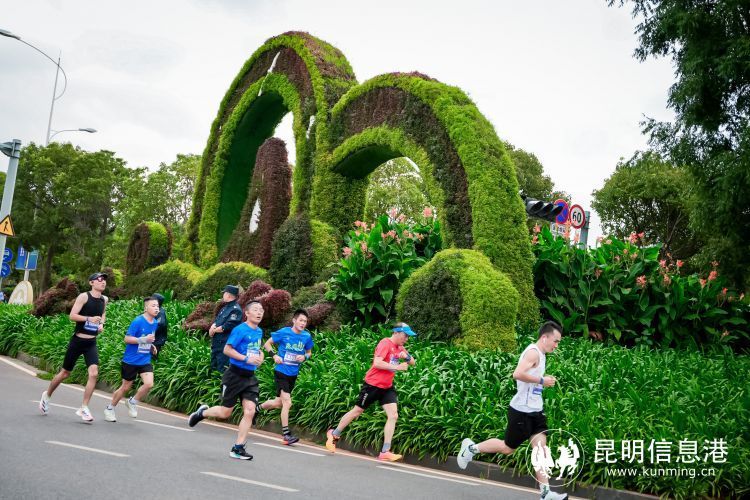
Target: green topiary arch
(343,131)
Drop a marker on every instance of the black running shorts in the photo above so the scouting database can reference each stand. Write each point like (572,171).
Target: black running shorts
(237,383)
(370,393)
(521,426)
(130,372)
(284,382)
(78,346)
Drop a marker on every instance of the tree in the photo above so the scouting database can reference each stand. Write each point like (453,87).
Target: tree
(646,194)
(64,205)
(708,42)
(396,184)
(530,174)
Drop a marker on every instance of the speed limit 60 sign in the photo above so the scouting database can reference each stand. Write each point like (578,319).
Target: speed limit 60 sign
(577,216)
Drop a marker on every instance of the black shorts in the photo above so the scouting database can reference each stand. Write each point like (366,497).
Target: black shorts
(284,382)
(237,383)
(370,393)
(521,426)
(130,372)
(78,346)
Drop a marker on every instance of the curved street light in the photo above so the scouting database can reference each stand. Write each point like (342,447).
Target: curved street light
(55,97)
(87,129)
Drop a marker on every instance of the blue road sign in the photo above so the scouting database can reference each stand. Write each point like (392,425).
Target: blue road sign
(32,260)
(7,255)
(562,217)
(5,271)
(21,258)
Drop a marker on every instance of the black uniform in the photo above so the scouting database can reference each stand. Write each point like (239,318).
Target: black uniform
(229,317)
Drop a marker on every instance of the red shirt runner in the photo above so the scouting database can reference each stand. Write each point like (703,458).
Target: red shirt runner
(389,351)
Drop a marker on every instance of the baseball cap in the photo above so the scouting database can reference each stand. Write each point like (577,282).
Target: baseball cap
(97,275)
(405,329)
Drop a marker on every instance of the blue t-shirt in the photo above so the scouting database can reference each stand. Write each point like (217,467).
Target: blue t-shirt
(139,354)
(245,340)
(290,345)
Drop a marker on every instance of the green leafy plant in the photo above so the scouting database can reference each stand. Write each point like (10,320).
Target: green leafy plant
(377,259)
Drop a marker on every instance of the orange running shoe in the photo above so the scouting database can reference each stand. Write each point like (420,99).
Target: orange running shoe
(331,441)
(387,456)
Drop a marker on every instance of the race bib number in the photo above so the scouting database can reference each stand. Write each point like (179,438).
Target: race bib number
(537,391)
(90,326)
(395,359)
(144,348)
(290,358)
(253,351)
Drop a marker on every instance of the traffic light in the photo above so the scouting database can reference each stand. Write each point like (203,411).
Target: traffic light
(541,209)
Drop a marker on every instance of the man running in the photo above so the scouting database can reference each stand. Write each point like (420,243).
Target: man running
(239,382)
(136,361)
(390,357)
(295,347)
(89,314)
(228,317)
(526,419)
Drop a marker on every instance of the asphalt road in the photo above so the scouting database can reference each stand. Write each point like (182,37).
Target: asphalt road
(158,456)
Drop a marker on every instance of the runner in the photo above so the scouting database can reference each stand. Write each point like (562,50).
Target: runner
(526,419)
(239,382)
(139,346)
(88,313)
(390,357)
(295,347)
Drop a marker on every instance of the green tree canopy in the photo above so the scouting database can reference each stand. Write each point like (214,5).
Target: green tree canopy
(396,184)
(646,194)
(709,44)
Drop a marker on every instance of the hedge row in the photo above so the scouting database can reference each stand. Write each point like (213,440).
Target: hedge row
(602,393)
(150,245)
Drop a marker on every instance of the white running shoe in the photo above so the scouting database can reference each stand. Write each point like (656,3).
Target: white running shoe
(109,415)
(551,495)
(44,403)
(465,456)
(85,414)
(132,409)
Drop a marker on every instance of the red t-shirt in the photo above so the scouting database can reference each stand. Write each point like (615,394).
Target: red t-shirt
(389,351)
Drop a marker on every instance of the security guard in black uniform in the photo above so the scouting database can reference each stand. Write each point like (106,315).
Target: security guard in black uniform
(229,316)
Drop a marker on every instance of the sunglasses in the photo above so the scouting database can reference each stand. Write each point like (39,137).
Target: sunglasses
(101,278)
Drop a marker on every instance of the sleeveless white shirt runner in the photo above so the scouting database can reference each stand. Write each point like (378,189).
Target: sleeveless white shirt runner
(528,398)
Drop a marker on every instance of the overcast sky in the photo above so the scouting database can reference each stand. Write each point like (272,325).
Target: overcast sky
(555,78)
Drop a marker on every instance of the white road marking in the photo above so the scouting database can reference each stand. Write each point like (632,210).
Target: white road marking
(250,481)
(86,448)
(164,425)
(11,363)
(287,448)
(426,475)
(446,474)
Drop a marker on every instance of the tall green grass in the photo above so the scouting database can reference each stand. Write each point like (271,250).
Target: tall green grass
(602,393)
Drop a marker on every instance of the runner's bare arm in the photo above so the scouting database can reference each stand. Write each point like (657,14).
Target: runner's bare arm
(268,346)
(527,362)
(76,309)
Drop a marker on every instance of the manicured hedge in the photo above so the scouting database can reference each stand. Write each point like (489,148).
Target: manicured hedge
(150,246)
(175,275)
(459,296)
(211,285)
(602,393)
(326,244)
(292,255)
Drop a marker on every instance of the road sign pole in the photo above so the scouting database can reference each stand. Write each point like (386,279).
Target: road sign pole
(585,232)
(13,150)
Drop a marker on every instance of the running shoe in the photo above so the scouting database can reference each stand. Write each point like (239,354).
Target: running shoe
(290,439)
(465,456)
(387,456)
(331,441)
(551,495)
(132,408)
(197,415)
(239,452)
(85,414)
(44,403)
(109,415)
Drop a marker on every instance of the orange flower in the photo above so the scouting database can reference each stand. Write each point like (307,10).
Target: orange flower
(347,251)
(715,264)
(667,280)
(680,263)
(393,213)
(724,291)
(633,238)
(703,282)
(535,240)
(712,275)
(537,229)
(625,251)
(641,281)
(663,263)
(427,212)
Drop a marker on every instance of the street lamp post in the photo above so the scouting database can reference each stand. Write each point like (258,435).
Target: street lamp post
(87,129)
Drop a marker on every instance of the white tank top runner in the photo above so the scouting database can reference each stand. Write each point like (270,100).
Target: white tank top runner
(528,398)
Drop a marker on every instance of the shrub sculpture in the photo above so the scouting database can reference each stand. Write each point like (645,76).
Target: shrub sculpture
(343,131)
(621,292)
(175,275)
(150,245)
(326,243)
(459,296)
(292,255)
(211,285)
(321,312)
(266,206)
(56,300)
(377,259)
